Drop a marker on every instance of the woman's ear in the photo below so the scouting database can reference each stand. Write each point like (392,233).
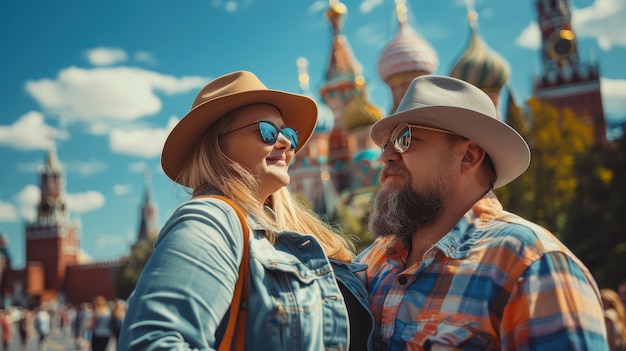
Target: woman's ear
(472,157)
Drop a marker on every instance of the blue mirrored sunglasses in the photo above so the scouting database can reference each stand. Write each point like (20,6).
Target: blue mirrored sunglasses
(269,133)
(401,136)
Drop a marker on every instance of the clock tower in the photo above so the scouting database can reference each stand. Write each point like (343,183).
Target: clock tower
(52,238)
(566,81)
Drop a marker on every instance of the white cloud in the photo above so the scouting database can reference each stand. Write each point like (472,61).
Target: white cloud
(603,21)
(138,142)
(85,202)
(317,7)
(146,57)
(27,200)
(530,38)
(8,213)
(121,189)
(231,6)
(107,94)
(106,56)
(137,167)
(366,6)
(85,168)
(29,132)
(614,98)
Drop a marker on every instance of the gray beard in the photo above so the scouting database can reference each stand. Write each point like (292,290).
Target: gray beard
(402,212)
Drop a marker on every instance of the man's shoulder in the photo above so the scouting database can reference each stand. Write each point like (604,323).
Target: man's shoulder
(520,237)
(511,227)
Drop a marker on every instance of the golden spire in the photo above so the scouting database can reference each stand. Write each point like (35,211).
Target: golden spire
(401,10)
(336,10)
(303,75)
(472,15)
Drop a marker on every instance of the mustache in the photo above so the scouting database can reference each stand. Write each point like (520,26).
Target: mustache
(392,170)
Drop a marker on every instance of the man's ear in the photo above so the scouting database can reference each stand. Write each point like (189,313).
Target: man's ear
(472,157)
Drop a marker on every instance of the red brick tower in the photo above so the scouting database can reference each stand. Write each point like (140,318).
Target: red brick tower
(52,240)
(566,82)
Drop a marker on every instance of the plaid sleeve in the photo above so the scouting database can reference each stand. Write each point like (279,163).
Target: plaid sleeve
(555,305)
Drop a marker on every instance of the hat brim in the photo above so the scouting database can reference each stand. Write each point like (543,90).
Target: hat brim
(506,147)
(298,112)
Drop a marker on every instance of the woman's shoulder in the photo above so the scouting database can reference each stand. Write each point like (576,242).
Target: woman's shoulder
(204,201)
(203,215)
(203,209)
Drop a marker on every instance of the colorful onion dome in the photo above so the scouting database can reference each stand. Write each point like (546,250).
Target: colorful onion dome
(479,65)
(361,112)
(407,52)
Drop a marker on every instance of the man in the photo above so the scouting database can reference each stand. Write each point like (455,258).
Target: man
(449,268)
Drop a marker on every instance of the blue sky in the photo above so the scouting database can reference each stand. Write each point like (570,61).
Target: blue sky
(109,79)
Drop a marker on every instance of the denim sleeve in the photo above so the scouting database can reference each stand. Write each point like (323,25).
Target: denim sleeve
(187,285)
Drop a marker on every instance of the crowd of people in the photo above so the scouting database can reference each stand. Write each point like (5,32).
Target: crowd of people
(92,325)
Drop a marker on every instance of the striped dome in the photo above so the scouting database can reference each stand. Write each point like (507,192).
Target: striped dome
(481,66)
(407,52)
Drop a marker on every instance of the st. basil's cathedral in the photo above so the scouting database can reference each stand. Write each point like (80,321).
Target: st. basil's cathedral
(339,166)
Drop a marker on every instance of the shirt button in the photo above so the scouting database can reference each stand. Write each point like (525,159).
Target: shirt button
(402,280)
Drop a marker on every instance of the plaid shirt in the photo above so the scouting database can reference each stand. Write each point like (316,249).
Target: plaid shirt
(496,283)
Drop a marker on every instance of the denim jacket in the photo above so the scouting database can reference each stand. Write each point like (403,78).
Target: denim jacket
(182,298)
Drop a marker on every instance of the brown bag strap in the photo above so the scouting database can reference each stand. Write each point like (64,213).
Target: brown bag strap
(236,327)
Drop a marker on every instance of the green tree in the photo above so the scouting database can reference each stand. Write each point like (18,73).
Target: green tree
(544,192)
(573,187)
(595,230)
(518,195)
(129,270)
(353,213)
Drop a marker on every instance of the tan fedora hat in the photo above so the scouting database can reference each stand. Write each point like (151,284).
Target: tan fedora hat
(225,94)
(457,106)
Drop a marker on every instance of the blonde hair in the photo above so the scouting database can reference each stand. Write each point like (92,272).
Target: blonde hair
(100,304)
(208,167)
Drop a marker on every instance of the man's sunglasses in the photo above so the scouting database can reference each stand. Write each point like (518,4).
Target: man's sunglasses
(269,133)
(401,136)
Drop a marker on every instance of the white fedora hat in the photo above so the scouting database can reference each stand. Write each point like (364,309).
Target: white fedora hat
(459,107)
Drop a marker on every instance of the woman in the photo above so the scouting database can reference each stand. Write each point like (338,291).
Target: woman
(117,314)
(100,324)
(238,141)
